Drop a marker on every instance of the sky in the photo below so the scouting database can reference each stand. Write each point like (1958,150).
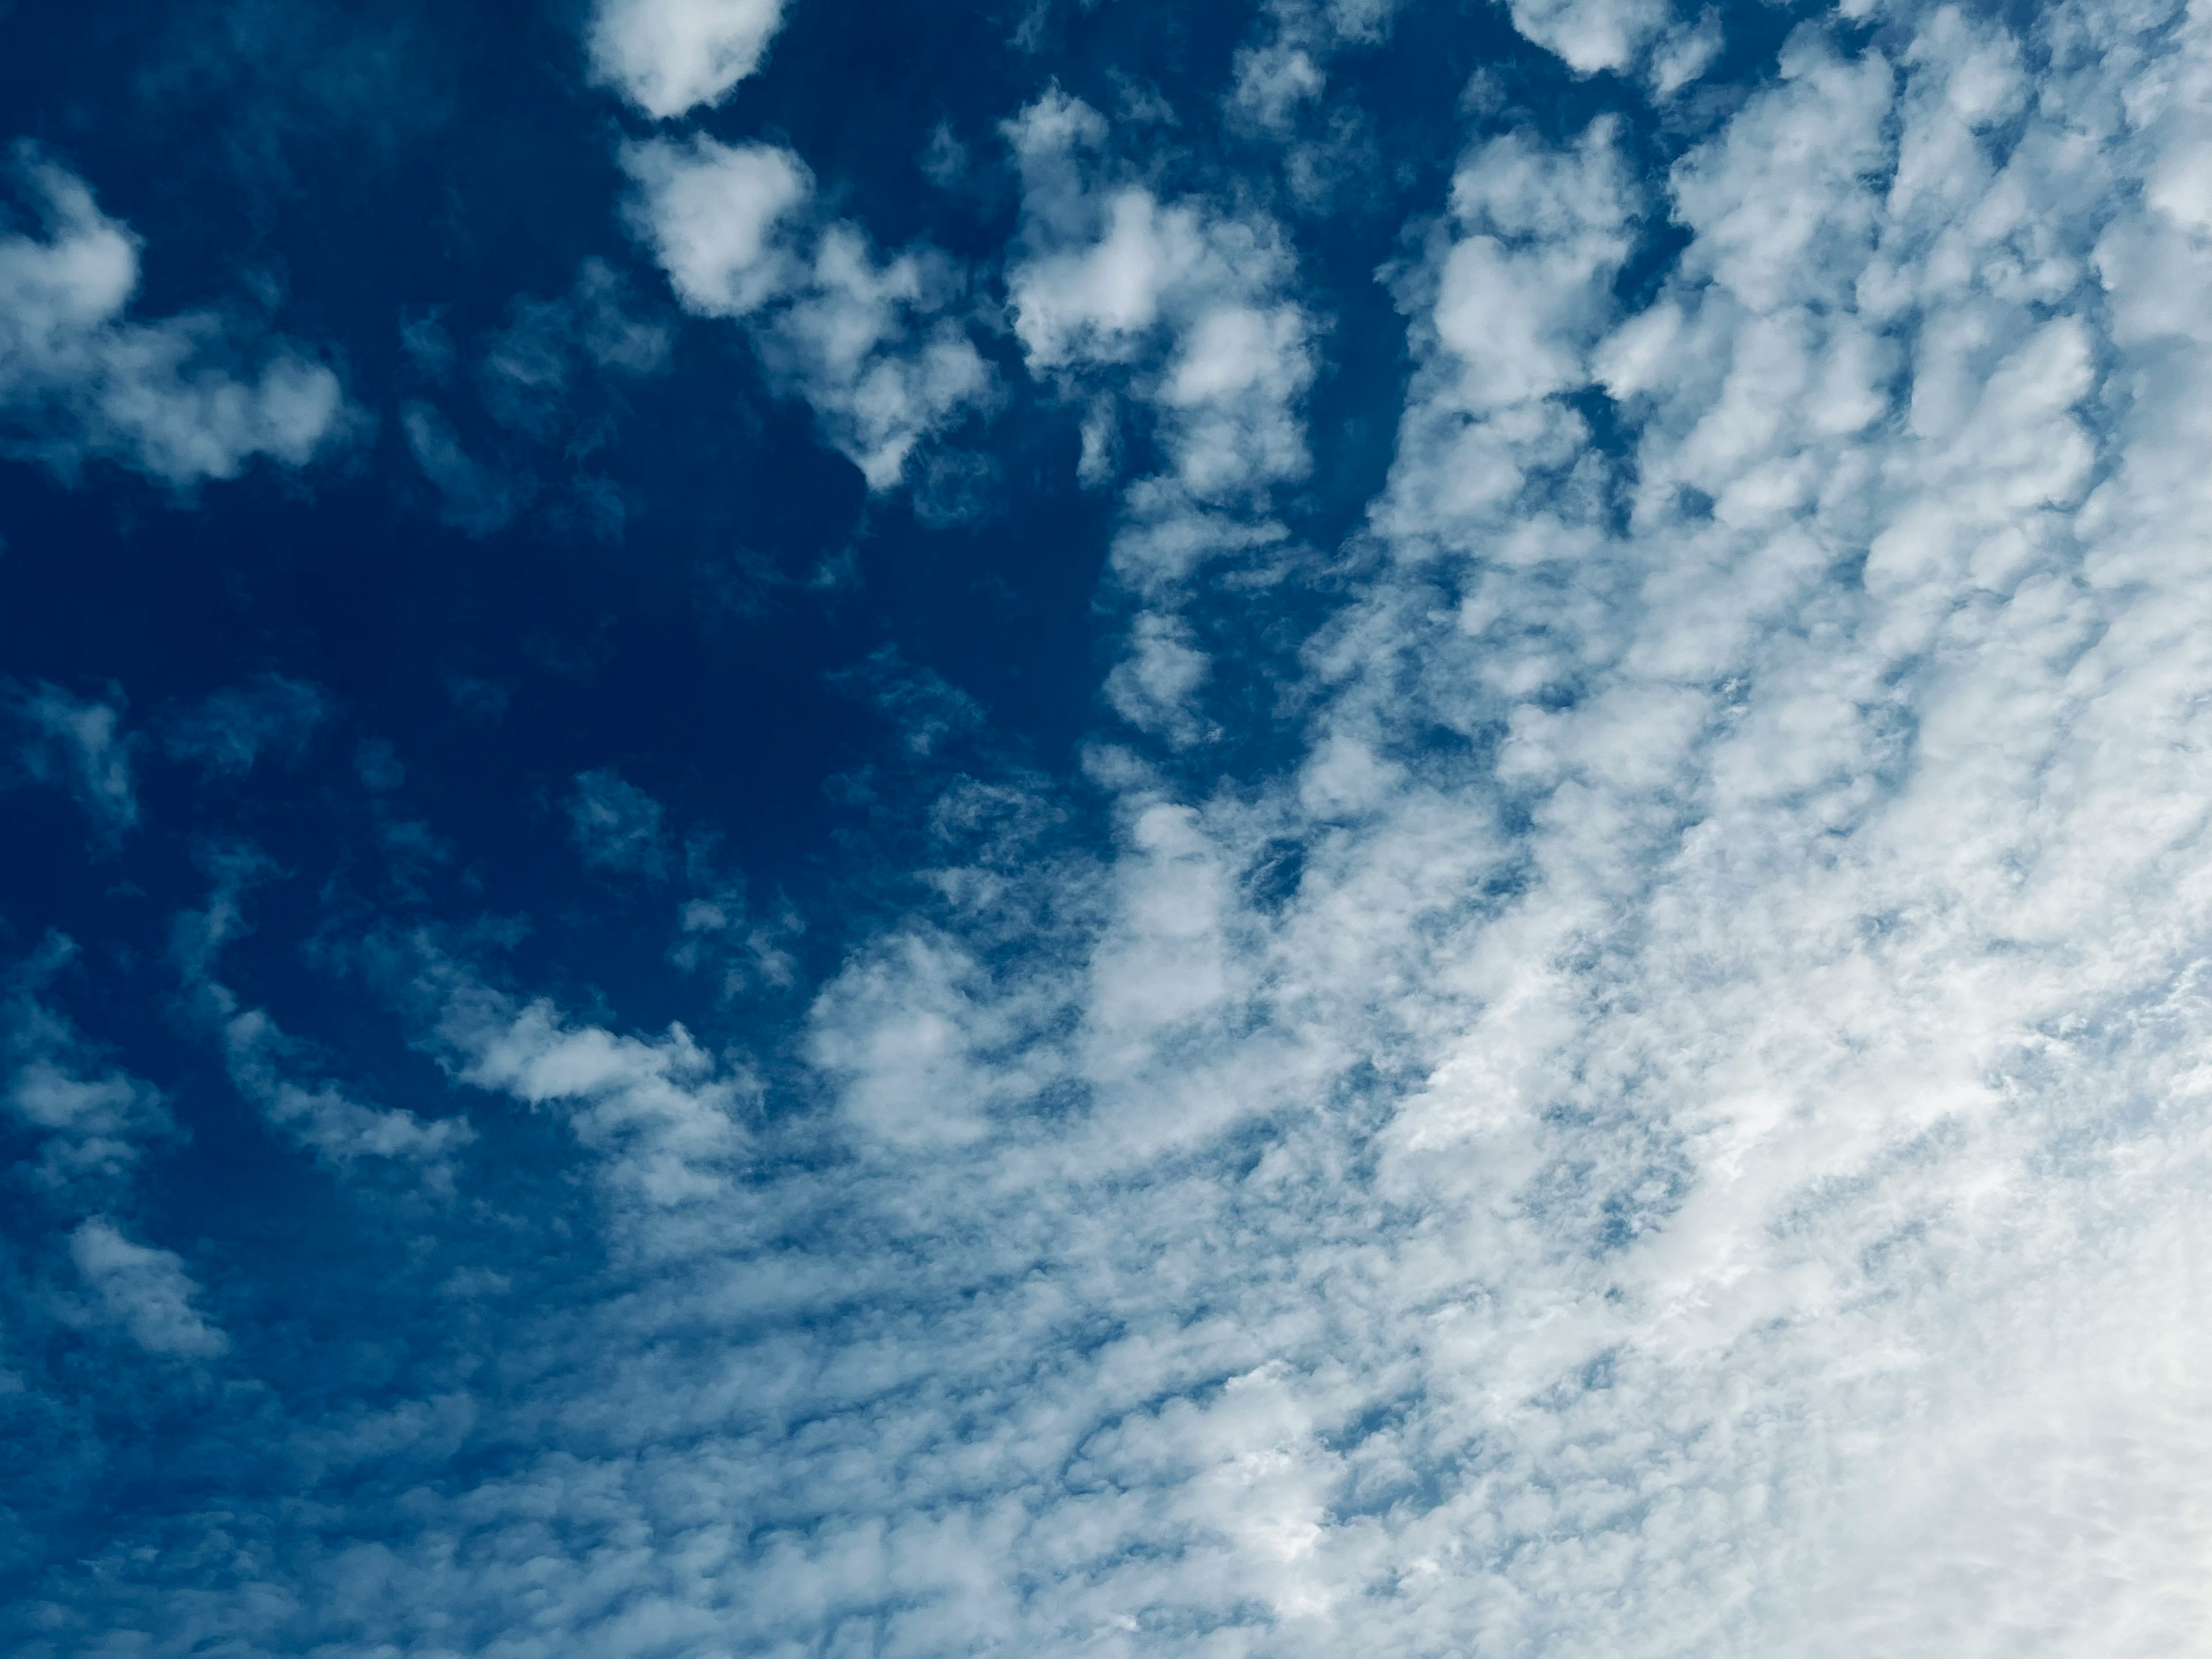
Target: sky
(842,830)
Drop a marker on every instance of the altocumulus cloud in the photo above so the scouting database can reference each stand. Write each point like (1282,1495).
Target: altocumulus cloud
(185,398)
(1668,1117)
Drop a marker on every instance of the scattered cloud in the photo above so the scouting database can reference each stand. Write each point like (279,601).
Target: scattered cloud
(617,826)
(668,57)
(869,343)
(146,1290)
(1668,1117)
(265,1066)
(79,744)
(186,399)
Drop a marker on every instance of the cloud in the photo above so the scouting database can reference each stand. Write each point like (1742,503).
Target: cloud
(79,744)
(145,1290)
(617,826)
(186,399)
(668,57)
(93,1120)
(713,215)
(1185,310)
(864,342)
(264,1064)
(1672,1119)
(663,1116)
(1590,36)
(230,730)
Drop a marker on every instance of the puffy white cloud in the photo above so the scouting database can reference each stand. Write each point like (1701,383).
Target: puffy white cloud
(1590,36)
(1186,310)
(664,1114)
(181,399)
(668,57)
(1109,276)
(715,213)
(864,342)
(1155,686)
(146,1290)
(847,343)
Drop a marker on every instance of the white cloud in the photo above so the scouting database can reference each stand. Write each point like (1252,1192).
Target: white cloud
(1155,686)
(714,214)
(664,1115)
(1675,1123)
(668,57)
(865,343)
(319,1114)
(1590,36)
(1185,309)
(847,343)
(263,1063)
(79,380)
(146,1290)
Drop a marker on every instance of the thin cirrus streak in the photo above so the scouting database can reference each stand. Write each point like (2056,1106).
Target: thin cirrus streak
(1673,1123)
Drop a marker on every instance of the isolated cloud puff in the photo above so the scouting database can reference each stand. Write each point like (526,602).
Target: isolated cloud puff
(711,213)
(667,57)
(146,1290)
(865,341)
(179,400)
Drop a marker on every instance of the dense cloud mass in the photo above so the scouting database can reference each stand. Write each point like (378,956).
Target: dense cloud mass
(1590,1039)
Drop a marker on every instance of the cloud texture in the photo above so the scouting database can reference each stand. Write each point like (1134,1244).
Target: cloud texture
(668,57)
(183,399)
(1669,1118)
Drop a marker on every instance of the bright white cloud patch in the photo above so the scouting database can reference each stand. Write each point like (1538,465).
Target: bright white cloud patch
(81,381)
(865,342)
(1184,308)
(668,57)
(712,213)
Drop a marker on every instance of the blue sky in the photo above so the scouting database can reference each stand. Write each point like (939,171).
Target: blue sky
(1339,826)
